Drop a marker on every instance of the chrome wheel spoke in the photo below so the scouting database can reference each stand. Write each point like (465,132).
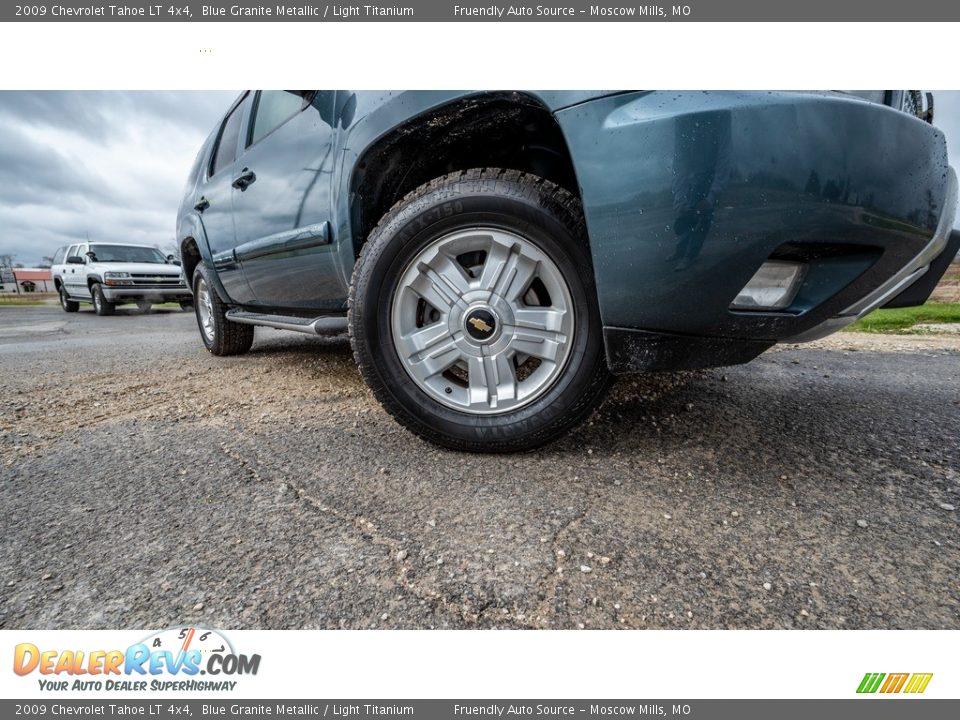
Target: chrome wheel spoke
(519,277)
(415,343)
(538,347)
(431,287)
(448,272)
(508,270)
(432,362)
(547,320)
(492,381)
(499,256)
(539,332)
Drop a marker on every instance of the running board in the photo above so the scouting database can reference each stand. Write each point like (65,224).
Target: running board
(327,325)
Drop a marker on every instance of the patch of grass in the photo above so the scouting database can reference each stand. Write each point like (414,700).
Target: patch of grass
(20,302)
(899,320)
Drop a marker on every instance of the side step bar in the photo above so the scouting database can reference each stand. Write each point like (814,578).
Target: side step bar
(327,325)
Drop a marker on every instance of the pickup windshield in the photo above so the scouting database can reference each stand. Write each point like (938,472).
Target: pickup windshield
(126,254)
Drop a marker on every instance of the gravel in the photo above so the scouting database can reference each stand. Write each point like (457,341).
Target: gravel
(270,491)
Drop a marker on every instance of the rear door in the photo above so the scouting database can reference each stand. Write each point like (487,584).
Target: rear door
(70,273)
(282,201)
(82,290)
(215,205)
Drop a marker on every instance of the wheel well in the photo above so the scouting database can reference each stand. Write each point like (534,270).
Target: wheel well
(505,130)
(57,284)
(189,258)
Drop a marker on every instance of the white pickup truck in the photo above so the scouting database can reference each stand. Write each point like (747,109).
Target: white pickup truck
(111,274)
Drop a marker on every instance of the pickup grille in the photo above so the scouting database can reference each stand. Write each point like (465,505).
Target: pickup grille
(155,280)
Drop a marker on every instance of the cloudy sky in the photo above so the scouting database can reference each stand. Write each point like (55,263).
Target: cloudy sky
(113,164)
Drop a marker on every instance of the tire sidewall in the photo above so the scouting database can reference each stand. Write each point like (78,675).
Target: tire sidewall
(201,274)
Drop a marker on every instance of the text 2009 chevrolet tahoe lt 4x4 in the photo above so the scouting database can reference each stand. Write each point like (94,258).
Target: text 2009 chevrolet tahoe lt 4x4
(498,255)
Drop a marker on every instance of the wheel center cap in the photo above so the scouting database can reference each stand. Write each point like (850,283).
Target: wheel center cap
(480,324)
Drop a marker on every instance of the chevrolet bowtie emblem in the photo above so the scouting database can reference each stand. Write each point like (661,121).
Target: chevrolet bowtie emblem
(480,325)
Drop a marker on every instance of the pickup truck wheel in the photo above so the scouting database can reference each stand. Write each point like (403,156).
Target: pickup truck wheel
(473,314)
(220,336)
(66,303)
(101,305)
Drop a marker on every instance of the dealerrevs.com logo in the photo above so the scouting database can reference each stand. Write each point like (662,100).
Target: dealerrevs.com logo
(910,683)
(172,659)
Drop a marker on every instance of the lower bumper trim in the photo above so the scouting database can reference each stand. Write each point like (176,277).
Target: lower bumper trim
(915,269)
(631,351)
(910,276)
(131,294)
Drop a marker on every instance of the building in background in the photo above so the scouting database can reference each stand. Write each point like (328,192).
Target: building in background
(30,280)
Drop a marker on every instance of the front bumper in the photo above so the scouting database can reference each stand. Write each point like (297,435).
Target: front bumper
(134,293)
(931,261)
(687,194)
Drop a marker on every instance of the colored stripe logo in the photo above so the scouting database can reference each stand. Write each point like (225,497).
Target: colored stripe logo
(913,683)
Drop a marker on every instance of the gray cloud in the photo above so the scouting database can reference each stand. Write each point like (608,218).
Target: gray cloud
(113,164)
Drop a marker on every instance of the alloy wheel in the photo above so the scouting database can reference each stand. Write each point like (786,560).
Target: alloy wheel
(482,320)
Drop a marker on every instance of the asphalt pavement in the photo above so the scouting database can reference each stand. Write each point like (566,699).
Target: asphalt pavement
(145,483)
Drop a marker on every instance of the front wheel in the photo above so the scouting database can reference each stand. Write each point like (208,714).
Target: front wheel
(473,314)
(220,336)
(101,306)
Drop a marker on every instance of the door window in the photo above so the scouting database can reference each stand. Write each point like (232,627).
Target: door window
(274,108)
(226,151)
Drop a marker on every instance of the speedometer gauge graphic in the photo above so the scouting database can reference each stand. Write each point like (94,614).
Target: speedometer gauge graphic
(181,639)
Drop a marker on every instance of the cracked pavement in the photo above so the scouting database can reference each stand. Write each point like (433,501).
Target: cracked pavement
(145,483)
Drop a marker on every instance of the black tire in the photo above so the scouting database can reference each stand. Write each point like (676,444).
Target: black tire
(186,305)
(66,303)
(513,201)
(229,338)
(101,306)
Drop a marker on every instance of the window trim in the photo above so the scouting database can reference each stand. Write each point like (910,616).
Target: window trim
(223,125)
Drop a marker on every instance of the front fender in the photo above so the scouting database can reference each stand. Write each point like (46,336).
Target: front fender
(190,226)
(364,118)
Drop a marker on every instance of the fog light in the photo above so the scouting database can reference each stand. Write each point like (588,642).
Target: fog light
(772,287)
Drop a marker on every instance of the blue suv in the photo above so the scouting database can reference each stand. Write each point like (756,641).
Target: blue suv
(498,256)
